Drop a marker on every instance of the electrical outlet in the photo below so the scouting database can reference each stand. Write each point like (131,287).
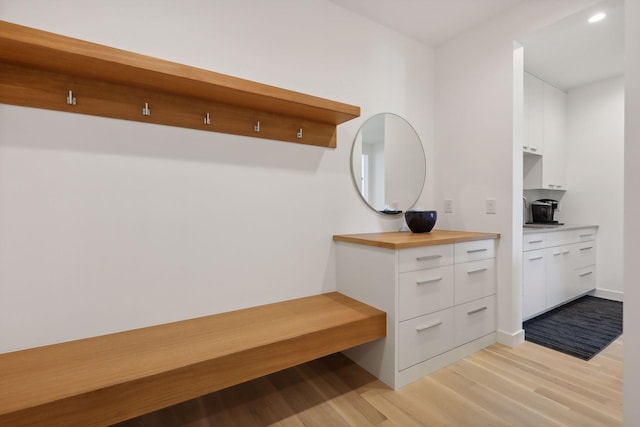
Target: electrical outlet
(448,206)
(491,206)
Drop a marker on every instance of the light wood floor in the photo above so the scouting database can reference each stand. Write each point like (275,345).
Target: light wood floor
(498,386)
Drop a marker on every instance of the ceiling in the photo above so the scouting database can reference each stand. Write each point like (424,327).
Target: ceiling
(433,22)
(567,54)
(574,52)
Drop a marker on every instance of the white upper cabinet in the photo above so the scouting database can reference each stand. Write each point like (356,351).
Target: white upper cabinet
(553,167)
(545,127)
(533,114)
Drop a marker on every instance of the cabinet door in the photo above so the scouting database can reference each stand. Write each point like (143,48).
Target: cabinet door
(557,275)
(534,98)
(533,283)
(553,161)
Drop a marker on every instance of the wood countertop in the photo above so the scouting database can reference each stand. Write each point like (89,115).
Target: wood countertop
(407,239)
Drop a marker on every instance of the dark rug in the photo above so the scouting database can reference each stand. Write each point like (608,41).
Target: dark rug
(581,328)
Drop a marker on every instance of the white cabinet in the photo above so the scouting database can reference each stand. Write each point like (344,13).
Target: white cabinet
(534,291)
(439,300)
(553,160)
(545,120)
(533,115)
(558,266)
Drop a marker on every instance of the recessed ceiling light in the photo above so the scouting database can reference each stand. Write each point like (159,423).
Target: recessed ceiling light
(597,17)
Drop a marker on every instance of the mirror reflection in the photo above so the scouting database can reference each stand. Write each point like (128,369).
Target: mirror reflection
(388,163)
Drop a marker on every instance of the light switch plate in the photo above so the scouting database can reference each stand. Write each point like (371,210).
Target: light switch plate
(448,206)
(491,206)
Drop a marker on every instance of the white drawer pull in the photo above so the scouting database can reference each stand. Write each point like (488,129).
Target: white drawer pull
(557,253)
(477,310)
(536,258)
(565,252)
(428,326)
(473,251)
(424,282)
(587,248)
(535,241)
(586,273)
(424,258)
(480,270)
(586,235)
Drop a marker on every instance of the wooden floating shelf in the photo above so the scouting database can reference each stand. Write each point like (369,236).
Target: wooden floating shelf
(39,68)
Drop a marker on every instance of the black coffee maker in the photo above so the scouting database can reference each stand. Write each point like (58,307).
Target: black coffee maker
(542,211)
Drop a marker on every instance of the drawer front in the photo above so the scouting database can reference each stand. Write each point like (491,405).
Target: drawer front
(476,250)
(475,280)
(425,257)
(558,238)
(425,337)
(584,280)
(585,234)
(583,254)
(474,320)
(533,241)
(425,291)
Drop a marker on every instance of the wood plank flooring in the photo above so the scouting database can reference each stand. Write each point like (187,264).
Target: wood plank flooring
(499,386)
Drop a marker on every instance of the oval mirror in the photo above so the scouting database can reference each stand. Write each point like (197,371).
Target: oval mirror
(388,163)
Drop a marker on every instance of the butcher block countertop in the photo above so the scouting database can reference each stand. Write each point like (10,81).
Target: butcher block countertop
(407,239)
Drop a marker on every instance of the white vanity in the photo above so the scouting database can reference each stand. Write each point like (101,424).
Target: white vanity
(438,290)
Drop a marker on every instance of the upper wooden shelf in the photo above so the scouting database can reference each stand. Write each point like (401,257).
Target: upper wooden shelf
(57,61)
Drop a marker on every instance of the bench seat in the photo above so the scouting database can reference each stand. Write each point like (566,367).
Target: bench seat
(106,379)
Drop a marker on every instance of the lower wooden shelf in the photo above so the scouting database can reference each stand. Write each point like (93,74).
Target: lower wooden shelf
(103,380)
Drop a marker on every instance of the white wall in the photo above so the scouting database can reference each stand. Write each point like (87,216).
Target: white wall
(474,134)
(631,215)
(108,225)
(595,172)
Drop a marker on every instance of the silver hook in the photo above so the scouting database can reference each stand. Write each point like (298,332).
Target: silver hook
(299,134)
(207,119)
(257,126)
(71,100)
(146,111)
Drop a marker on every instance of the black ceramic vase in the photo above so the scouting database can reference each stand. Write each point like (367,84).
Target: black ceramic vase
(420,221)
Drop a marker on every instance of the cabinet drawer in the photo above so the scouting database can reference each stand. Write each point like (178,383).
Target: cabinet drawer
(583,254)
(425,337)
(476,250)
(474,320)
(475,280)
(425,257)
(425,291)
(558,238)
(583,281)
(585,234)
(533,241)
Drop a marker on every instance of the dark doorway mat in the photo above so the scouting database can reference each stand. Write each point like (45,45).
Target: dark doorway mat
(581,328)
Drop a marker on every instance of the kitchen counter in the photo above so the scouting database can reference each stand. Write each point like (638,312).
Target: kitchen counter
(541,228)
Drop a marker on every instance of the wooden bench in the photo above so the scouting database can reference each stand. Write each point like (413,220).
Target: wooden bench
(111,378)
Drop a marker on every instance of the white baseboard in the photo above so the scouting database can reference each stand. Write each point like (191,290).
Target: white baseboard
(510,339)
(608,294)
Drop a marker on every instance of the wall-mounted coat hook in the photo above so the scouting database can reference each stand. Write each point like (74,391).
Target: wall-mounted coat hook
(71,100)
(256,127)
(146,111)
(299,134)
(207,119)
